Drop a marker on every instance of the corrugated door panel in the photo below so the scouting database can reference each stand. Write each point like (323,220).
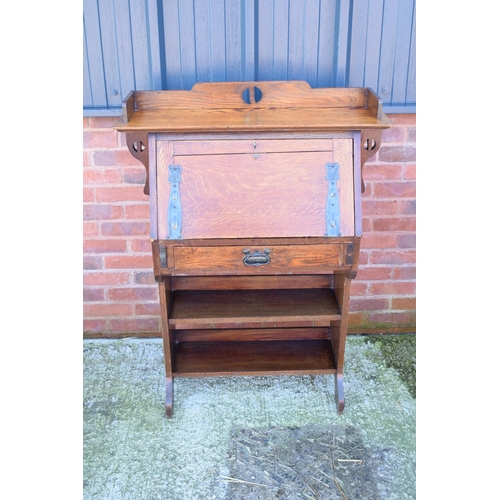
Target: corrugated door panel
(382,50)
(173,44)
(207,41)
(121,50)
(303,40)
(95,96)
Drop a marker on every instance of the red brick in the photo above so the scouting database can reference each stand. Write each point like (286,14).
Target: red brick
(105,278)
(122,139)
(395,224)
(135,325)
(88,194)
(405,273)
(407,207)
(411,135)
(125,229)
(368,190)
(114,158)
(104,246)
(99,139)
(138,293)
(382,171)
(356,319)
(134,175)
(393,288)
(359,288)
(91,262)
(102,121)
(93,294)
(366,225)
(101,176)
(86,159)
(86,122)
(364,257)
(407,240)
(107,309)
(388,224)
(144,278)
(396,153)
(94,326)
(375,207)
(376,240)
(374,273)
(128,262)
(410,172)
(394,134)
(404,303)
(129,193)
(137,211)
(102,211)
(140,245)
(396,257)
(147,309)
(393,318)
(90,229)
(394,189)
(403,118)
(368,304)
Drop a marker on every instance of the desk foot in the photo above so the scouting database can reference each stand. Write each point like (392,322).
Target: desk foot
(169,405)
(339,391)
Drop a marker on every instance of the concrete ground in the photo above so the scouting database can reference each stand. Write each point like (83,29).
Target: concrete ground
(131,451)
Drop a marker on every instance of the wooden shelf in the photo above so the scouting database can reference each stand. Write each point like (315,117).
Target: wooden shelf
(198,309)
(209,359)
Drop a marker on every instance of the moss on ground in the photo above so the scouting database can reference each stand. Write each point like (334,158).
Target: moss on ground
(399,352)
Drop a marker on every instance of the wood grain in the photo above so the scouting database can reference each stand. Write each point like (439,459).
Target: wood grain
(198,359)
(232,282)
(245,334)
(317,258)
(275,94)
(252,120)
(342,154)
(227,196)
(252,308)
(255,145)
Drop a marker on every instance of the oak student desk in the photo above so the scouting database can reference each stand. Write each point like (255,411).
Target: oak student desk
(255,204)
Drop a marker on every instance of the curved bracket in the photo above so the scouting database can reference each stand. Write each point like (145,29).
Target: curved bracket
(370,144)
(137,144)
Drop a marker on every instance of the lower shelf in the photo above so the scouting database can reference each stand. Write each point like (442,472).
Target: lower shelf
(209,359)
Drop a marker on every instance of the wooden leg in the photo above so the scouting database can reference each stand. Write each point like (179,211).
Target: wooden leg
(338,332)
(169,398)
(339,391)
(165,292)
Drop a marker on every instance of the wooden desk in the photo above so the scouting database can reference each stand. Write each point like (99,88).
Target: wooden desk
(255,195)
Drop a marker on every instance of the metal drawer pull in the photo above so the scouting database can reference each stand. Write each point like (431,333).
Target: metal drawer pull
(256,258)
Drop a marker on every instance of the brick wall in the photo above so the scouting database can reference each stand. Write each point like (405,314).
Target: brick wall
(120,295)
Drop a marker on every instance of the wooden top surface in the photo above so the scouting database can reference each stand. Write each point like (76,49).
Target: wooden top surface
(284,106)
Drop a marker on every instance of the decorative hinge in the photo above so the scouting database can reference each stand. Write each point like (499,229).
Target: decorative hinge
(332,202)
(174,205)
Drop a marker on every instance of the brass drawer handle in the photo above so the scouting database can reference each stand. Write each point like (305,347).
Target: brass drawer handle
(256,258)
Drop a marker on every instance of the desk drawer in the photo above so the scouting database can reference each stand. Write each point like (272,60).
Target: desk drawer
(260,259)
